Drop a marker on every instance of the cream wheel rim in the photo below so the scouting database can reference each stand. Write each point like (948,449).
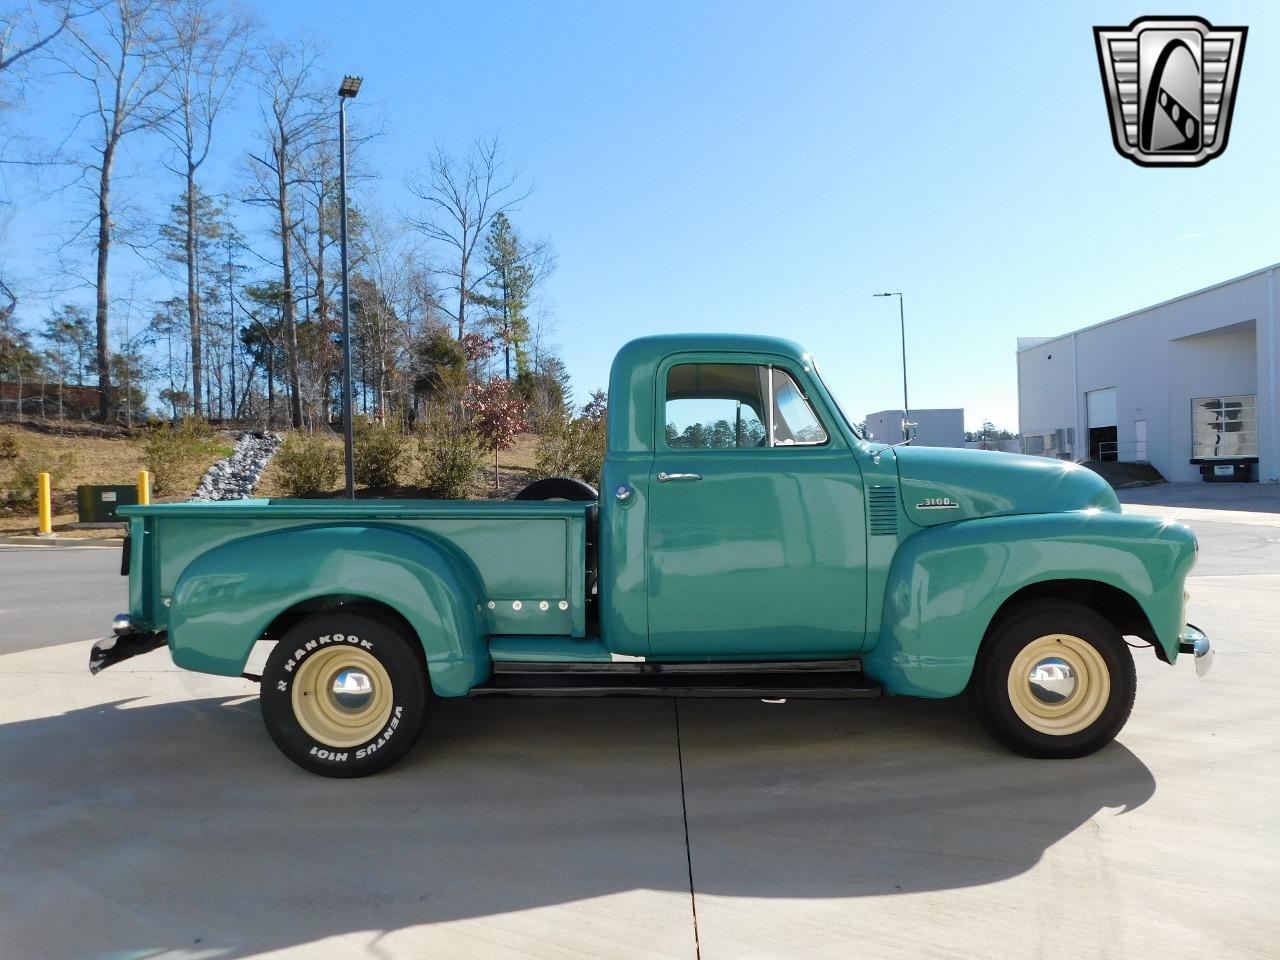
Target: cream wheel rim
(342,697)
(1059,684)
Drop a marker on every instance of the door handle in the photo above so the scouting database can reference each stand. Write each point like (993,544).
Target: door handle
(663,477)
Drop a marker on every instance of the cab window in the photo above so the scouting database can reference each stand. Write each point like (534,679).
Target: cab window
(735,406)
(794,422)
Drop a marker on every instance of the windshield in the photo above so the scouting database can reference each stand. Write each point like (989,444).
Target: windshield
(835,401)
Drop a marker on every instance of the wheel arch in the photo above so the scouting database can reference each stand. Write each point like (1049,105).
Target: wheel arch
(255,588)
(1120,609)
(948,584)
(379,610)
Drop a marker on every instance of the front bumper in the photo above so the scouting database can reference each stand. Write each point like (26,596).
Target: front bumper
(109,651)
(1195,641)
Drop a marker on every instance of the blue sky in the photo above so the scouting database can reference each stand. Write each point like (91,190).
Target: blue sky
(767,167)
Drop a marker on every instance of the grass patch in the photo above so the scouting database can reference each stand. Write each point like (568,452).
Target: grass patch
(88,455)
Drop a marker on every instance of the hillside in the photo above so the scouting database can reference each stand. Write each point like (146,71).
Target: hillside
(85,453)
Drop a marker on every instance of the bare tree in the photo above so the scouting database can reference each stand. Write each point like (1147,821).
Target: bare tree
(462,197)
(119,54)
(8,296)
(8,301)
(383,309)
(29,29)
(206,56)
(292,114)
(26,30)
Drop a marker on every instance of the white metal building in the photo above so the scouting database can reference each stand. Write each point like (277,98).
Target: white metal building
(1188,385)
(943,427)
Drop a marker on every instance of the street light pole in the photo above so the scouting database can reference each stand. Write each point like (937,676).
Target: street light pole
(347,91)
(902,323)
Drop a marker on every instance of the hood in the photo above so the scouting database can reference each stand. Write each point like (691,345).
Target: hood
(942,485)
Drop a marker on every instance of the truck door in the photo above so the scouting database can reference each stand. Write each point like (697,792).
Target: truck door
(756,529)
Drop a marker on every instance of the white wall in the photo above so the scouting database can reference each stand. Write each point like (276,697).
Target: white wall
(1158,359)
(1045,387)
(942,427)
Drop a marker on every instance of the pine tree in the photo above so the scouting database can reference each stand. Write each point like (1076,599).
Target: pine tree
(197,252)
(510,282)
(71,333)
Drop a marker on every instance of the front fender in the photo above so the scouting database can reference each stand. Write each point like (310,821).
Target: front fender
(227,597)
(947,583)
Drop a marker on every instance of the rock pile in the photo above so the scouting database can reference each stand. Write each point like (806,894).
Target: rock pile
(235,477)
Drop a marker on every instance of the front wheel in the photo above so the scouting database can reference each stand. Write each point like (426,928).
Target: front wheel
(1054,679)
(344,695)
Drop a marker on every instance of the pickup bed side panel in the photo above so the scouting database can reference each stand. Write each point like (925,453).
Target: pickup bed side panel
(947,583)
(227,597)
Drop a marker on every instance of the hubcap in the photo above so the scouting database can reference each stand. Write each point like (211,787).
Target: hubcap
(342,696)
(352,690)
(1059,684)
(1052,680)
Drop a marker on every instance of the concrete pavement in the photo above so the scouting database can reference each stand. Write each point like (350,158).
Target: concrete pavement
(144,813)
(52,595)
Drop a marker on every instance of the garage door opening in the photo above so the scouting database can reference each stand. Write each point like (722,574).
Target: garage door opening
(1100,409)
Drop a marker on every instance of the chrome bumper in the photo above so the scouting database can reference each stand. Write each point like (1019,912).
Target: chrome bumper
(1195,641)
(127,643)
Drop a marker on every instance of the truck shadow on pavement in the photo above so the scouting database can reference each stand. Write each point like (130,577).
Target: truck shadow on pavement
(178,826)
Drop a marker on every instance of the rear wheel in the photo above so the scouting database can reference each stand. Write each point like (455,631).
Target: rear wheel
(344,695)
(1054,679)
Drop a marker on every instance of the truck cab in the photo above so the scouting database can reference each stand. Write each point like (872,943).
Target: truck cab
(746,542)
(733,520)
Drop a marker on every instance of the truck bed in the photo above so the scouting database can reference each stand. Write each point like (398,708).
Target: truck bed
(530,558)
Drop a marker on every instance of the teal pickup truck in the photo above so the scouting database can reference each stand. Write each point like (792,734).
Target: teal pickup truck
(748,542)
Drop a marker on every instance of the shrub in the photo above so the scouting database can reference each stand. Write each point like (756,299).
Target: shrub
(376,454)
(451,457)
(177,454)
(24,485)
(308,465)
(8,446)
(573,447)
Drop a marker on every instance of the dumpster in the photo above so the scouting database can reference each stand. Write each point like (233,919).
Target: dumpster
(97,503)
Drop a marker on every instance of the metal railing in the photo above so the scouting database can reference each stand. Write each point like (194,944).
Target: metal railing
(1128,451)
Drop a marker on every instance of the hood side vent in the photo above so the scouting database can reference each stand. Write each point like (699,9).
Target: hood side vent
(882,511)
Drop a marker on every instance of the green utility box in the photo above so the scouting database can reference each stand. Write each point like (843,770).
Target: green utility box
(98,502)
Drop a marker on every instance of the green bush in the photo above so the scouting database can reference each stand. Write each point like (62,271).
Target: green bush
(376,454)
(177,454)
(573,447)
(24,484)
(450,456)
(308,465)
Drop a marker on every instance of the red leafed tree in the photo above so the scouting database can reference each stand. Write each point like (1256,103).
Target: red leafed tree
(497,415)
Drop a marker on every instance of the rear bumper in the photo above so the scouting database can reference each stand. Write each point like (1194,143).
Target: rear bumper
(1195,641)
(109,651)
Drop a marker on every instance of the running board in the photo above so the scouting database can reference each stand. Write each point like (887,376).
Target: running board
(804,680)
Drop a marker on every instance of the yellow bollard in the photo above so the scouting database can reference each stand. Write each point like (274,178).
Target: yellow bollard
(144,487)
(46,507)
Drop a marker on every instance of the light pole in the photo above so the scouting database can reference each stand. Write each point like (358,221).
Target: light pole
(906,410)
(347,91)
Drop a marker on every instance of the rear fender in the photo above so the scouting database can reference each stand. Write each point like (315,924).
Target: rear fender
(947,584)
(226,598)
